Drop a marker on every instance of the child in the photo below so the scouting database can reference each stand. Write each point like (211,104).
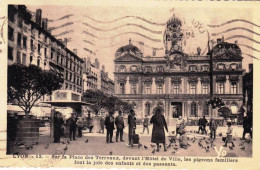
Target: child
(145,124)
(229,135)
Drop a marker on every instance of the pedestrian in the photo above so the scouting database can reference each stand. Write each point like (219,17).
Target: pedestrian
(109,123)
(146,124)
(200,125)
(158,134)
(229,135)
(58,122)
(131,126)
(90,122)
(179,123)
(80,126)
(213,128)
(102,124)
(119,126)
(247,125)
(204,124)
(72,122)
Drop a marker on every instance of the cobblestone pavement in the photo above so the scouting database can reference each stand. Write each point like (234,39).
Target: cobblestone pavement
(96,145)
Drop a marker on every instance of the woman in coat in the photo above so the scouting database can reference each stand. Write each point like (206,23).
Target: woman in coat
(158,134)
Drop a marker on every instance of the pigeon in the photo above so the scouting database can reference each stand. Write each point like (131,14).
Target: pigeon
(66,148)
(220,134)
(241,144)
(27,147)
(68,142)
(86,141)
(31,146)
(176,148)
(234,139)
(173,132)
(231,147)
(63,142)
(248,141)
(152,145)
(145,147)
(153,151)
(199,143)
(207,149)
(160,146)
(46,146)
(243,148)
(111,152)
(173,152)
(169,145)
(193,141)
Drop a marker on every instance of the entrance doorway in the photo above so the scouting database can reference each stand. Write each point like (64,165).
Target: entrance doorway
(176,109)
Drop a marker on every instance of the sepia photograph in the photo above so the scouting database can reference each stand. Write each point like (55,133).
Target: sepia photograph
(143,81)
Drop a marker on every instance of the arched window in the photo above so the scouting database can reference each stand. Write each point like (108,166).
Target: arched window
(233,66)
(193,109)
(147,108)
(221,67)
(31,59)
(205,109)
(148,69)
(122,88)
(38,62)
(133,68)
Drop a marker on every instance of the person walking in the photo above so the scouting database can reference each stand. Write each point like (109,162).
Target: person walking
(90,122)
(109,123)
(80,126)
(58,122)
(102,124)
(119,126)
(213,128)
(179,124)
(200,125)
(247,125)
(204,124)
(158,134)
(229,135)
(131,126)
(146,124)
(72,122)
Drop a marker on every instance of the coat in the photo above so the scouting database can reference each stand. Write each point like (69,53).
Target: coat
(229,134)
(131,121)
(213,125)
(159,123)
(146,122)
(110,123)
(119,122)
(72,122)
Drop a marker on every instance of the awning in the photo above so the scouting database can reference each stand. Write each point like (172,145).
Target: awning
(67,103)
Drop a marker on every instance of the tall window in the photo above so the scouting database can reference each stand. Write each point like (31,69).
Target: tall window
(11,15)
(205,109)
(19,39)
(133,89)
(233,87)
(38,62)
(205,88)
(221,88)
(20,22)
(122,88)
(52,53)
(39,48)
(193,109)
(10,33)
(18,59)
(159,89)
(45,52)
(24,59)
(148,88)
(32,45)
(58,57)
(176,88)
(24,42)
(192,88)
(122,69)
(10,53)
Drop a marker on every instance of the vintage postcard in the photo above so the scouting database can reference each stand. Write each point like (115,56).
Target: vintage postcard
(129,84)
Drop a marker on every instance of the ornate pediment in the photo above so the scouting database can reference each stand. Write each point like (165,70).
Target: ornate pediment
(176,80)
(133,79)
(204,79)
(226,51)
(233,78)
(159,80)
(121,79)
(220,78)
(148,80)
(192,79)
(128,57)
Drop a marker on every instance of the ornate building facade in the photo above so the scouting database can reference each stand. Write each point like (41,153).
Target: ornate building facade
(179,84)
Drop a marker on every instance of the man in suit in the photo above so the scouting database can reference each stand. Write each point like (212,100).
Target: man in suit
(213,128)
(58,121)
(109,123)
(72,122)
(119,126)
(131,125)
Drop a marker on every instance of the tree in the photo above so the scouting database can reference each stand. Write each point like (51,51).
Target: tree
(126,107)
(97,98)
(113,104)
(27,84)
(216,102)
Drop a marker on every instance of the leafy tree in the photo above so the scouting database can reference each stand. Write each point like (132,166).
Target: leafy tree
(27,84)
(113,104)
(97,98)
(216,102)
(126,107)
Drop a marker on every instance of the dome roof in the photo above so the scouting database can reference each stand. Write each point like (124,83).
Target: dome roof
(129,49)
(225,50)
(174,21)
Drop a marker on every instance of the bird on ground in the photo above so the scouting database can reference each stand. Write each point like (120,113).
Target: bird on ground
(241,144)
(234,139)
(243,148)
(66,148)
(173,152)
(86,141)
(160,146)
(31,146)
(248,141)
(188,138)
(152,145)
(153,151)
(231,147)
(46,146)
(220,134)
(169,145)
(207,149)
(193,141)
(145,147)
(173,132)
(63,142)
(199,143)
(176,148)
(111,152)
(27,147)
(68,142)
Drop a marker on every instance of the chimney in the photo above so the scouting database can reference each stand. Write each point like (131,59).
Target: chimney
(39,16)
(65,41)
(250,67)
(96,63)
(45,23)
(75,51)
(236,42)
(219,40)
(103,68)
